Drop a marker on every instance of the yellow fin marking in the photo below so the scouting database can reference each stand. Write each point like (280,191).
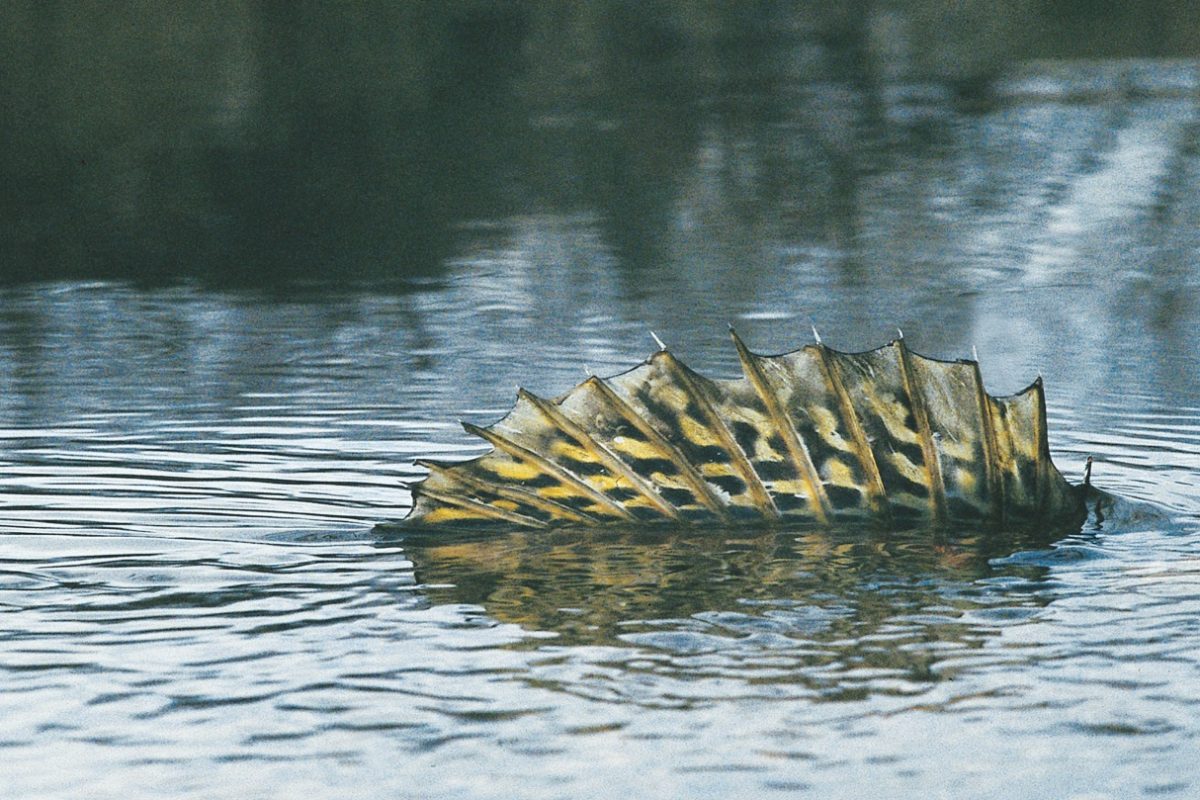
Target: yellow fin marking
(825,422)
(449,514)
(697,433)
(513,470)
(573,452)
(892,412)
(961,449)
(638,449)
(559,492)
(908,469)
(838,474)
(713,469)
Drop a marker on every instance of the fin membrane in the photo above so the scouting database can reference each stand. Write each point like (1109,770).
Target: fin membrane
(814,435)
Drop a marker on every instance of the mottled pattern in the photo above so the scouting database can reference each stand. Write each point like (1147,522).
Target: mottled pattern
(814,436)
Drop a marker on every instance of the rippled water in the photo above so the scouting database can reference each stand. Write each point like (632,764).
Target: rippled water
(200,593)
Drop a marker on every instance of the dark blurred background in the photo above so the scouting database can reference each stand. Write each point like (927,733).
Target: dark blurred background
(258,142)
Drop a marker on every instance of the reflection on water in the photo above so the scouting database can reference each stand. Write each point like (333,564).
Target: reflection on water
(831,616)
(591,587)
(246,143)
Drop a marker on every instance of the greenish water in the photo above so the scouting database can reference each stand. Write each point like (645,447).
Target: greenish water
(201,589)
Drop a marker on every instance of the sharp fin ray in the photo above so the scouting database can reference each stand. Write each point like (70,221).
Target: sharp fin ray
(455,474)
(991,447)
(717,426)
(876,495)
(818,501)
(932,471)
(702,490)
(602,454)
(548,467)
(482,509)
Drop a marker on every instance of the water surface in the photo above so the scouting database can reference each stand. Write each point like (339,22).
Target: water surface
(202,594)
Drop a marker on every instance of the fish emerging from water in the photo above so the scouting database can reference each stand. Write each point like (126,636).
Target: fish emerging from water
(812,436)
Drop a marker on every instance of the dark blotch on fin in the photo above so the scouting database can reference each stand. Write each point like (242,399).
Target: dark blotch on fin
(746,435)
(844,496)
(731,484)
(775,470)
(678,497)
(789,502)
(646,467)
(621,494)
(711,453)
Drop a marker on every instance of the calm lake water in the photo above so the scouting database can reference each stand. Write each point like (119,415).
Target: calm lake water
(202,591)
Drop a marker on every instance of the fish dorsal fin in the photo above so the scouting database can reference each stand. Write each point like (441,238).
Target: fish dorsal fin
(814,435)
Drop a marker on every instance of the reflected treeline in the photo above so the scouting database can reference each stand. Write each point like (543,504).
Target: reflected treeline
(254,141)
(838,592)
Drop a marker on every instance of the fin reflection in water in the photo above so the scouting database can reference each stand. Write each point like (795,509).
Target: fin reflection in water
(825,604)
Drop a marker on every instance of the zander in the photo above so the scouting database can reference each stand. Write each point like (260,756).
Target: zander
(811,436)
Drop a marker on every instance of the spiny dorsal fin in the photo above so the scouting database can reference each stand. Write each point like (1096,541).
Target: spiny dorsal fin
(813,435)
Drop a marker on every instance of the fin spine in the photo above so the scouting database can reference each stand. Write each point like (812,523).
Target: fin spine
(991,449)
(614,464)
(876,495)
(1041,446)
(818,500)
(507,492)
(937,490)
(545,465)
(762,498)
(483,508)
(703,491)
